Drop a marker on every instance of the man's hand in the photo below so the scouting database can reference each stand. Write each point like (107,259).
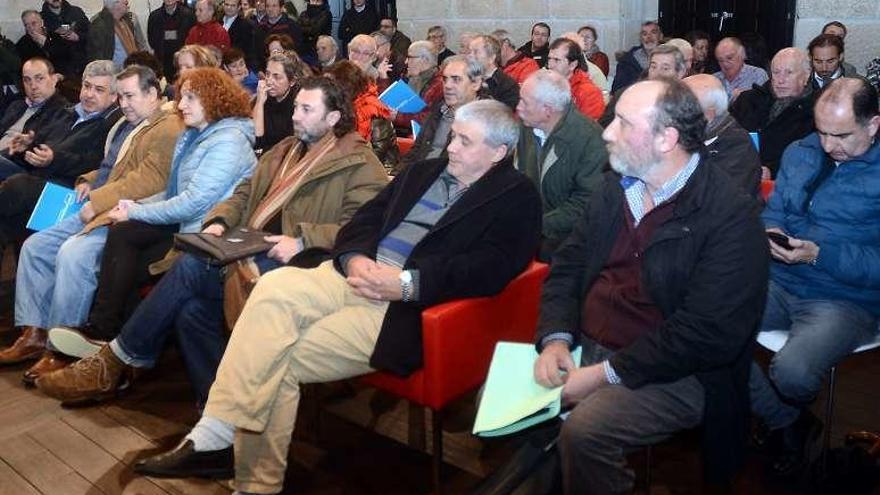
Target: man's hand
(41,156)
(87,213)
(554,360)
(583,382)
(262,92)
(119,213)
(38,37)
(802,250)
(284,249)
(68,34)
(215,228)
(373,280)
(82,191)
(20,142)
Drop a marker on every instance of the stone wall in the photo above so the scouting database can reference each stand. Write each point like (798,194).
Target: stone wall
(616,20)
(861,17)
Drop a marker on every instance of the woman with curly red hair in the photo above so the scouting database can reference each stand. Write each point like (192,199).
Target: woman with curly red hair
(372,117)
(210,158)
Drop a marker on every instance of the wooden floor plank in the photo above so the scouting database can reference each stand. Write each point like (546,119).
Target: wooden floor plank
(41,468)
(11,483)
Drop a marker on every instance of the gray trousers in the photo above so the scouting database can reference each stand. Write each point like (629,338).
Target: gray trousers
(614,421)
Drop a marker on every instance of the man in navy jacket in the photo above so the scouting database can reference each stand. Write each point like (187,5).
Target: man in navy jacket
(825,285)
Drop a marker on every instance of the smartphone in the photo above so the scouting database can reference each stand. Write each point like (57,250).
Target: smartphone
(780,240)
(65,27)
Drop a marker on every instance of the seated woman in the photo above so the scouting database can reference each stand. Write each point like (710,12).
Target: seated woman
(210,158)
(276,44)
(235,66)
(372,117)
(190,57)
(592,52)
(273,104)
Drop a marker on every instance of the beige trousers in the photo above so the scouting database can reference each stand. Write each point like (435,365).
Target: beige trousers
(298,326)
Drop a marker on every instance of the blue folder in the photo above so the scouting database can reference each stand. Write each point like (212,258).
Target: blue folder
(55,204)
(399,96)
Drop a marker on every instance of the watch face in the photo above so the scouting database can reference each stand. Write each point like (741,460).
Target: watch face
(406,277)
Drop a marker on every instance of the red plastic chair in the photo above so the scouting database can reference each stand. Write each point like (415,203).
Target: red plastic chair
(767,188)
(459,339)
(405,144)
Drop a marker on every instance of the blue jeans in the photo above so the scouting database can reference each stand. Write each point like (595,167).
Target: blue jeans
(56,276)
(821,333)
(188,299)
(8,168)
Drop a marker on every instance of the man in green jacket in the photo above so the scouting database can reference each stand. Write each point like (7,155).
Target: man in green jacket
(561,150)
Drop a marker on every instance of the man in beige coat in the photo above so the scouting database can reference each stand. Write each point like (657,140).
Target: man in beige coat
(303,190)
(56,276)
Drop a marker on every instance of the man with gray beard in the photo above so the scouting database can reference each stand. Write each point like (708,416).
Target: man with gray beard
(663,282)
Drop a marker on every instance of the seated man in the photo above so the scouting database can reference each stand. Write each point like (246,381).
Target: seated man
(662,282)
(425,78)
(455,227)
(514,63)
(30,118)
(566,58)
(67,152)
(303,189)
(781,110)
(561,151)
(462,82)
(56,276)
(736,75)
(500,86)
(728,145)
(825,290)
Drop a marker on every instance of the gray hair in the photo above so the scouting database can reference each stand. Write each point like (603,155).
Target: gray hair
(436,29)
(110,3)
(551,89)
(101,68)
(683,45)
(363,40)
(503,36)
(331,39)
(800,56)
(380,38)
(27,12)
(673,50)
(495,118)
(424,50)
(474,69)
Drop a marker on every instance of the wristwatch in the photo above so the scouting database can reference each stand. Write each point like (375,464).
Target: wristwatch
(406,285)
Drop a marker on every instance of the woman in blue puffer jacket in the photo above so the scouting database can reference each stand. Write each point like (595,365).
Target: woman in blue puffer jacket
(211,157)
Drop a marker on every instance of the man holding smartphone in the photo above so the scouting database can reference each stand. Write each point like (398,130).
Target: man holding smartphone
(70,23)
(825,283)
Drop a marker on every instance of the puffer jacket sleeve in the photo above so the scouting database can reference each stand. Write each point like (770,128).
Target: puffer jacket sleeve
(223,160)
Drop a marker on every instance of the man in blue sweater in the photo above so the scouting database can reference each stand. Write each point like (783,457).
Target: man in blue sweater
(825,282)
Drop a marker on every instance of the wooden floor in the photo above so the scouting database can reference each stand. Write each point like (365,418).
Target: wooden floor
(355,442)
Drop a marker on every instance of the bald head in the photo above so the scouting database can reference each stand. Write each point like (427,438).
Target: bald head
(789,72)
(710,93)
(847,118)
(731,55)
(204,11)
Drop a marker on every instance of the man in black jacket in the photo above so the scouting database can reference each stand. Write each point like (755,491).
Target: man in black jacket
(361,18)
(40,42)
(780,110)
(71,23)
(72,147)
(446,229)
(633,62)
(486,50)
(663,283)
(241,31)
(27,119)
(167,28)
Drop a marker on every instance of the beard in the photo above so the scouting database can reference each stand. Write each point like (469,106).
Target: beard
(632,162)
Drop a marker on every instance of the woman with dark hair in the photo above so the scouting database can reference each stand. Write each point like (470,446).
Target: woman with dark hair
(703,62)
(211,156)
(372,117)
(592,52)
(273,104)
(278,43)
(234,64)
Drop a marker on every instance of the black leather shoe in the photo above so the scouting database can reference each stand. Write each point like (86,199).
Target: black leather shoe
(796,441)
(184,462)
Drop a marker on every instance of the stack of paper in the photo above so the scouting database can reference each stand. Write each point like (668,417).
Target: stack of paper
(512,399)
(400,97)
(55,204)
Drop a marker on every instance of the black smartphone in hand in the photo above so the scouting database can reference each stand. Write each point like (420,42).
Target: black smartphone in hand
(780,240)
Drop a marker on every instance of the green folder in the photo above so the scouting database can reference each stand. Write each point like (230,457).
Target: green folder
(512,399)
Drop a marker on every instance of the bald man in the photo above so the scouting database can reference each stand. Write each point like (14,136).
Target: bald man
(736,75)
(207,30)
(728,145)
(781,110)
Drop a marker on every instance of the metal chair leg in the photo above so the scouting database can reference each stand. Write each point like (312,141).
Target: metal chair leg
(437,448)
(829,418)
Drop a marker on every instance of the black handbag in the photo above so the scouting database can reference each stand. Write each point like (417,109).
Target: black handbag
(233,245)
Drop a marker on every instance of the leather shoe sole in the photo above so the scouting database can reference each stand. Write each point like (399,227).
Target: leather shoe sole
(73,343)
(184,462)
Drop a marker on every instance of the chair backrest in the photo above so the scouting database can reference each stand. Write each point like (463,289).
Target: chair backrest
(766,188)
(405,144)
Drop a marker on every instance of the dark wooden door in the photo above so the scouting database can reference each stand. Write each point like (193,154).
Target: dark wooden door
(772,19)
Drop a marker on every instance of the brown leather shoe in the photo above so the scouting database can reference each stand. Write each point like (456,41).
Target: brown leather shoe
(50,362)
(93,379)
(29,346)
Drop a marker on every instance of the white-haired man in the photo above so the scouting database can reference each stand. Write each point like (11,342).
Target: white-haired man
(736,75)
(114,34)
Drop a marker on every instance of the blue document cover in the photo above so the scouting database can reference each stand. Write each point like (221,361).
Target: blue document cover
(415,128)
(399,96)
(55,204)
(756,140)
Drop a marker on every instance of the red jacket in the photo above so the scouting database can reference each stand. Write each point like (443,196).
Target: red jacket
(431,94)
(211,33)
(520,67)
(585,95)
